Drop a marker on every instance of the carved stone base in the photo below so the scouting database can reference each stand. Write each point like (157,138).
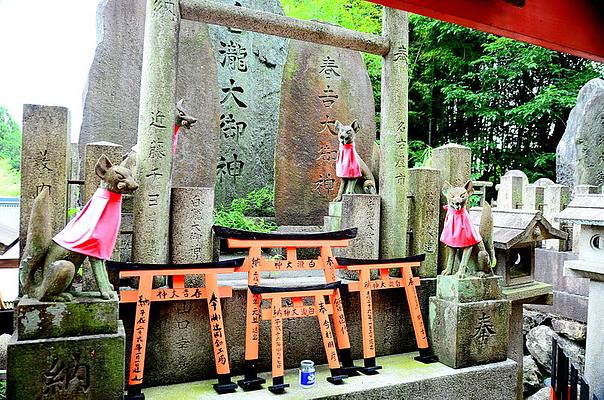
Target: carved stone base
(469,321)
(36,319)
(76,368)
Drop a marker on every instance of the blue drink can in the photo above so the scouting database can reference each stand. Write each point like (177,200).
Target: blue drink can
(307,374)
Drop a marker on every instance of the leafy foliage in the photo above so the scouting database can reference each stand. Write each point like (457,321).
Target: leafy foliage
(244,213)
(9,180)
(506,100)
(10,139)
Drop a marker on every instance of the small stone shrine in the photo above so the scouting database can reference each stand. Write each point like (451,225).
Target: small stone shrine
(588,211)
(515,235)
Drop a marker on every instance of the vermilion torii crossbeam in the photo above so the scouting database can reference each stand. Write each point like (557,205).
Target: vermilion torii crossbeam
(319,309)
(365,286)
(254,264)
(145,295)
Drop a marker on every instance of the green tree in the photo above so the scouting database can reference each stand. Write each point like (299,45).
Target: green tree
(10,139)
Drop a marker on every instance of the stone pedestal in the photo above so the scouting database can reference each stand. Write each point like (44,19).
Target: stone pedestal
(66,351)
(469,321)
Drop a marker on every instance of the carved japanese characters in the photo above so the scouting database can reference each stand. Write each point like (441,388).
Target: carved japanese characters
(48,266)
(477,253)
(350,167)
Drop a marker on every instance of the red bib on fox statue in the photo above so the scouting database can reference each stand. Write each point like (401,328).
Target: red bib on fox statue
(347,165)
(94,230)
(458,230)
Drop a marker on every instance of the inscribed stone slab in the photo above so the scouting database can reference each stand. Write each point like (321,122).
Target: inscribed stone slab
(321,84)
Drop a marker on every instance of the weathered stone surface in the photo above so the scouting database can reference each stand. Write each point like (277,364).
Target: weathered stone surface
(452,288)
(539,344)
(394,135)
(150,242)
(401,378)
(533,197)
(83,316)
(454,162)
(360,211)
(78,368)
(541,394)
(179,349)
(4,339)
(302,253)
(111,105)
(191,237)
(44,162)
(543,182)
(555,198)
(466,334)
(511,190)
(531,375)
(92,153)
(572,330)
(250,71)
(305,177)
(424,217)
(580,153)
(532,319)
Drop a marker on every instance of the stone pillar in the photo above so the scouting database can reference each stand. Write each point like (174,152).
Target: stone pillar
(360,211)
(92,153)
(74,194)
(469,321)
(423,217)
(44,162)
(594,347)
(533,198)
(555,199)
(393,180)
(576,228)
(516,344)
(192,216)
(155,131)
(454,162)
(510,192)
(333,221)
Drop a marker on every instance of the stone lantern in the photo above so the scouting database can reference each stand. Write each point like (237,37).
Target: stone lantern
(588,211)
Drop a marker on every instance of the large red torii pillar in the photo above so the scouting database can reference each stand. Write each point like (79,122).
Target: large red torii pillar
(571,26)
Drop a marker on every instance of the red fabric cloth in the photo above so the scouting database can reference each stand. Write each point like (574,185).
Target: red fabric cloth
(459,230)
(347,165)
(94,230)
(175,141)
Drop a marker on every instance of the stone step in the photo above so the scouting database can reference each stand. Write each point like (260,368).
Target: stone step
(401,378)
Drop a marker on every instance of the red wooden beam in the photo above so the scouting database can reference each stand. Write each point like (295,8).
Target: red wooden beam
(570,26)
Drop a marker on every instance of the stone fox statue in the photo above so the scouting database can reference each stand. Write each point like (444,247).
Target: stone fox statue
(48,265)
(355,174)
(465,246)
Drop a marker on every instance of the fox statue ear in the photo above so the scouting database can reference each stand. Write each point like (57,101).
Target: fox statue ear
(338,125)
(102,166)
(355,125)
(469,186)
(446,187)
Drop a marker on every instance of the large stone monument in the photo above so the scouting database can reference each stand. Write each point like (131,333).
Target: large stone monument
(580,153)
(321,84)
(111,101)
(250,69)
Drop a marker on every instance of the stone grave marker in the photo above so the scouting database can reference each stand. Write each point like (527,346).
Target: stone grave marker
(250,69)
(45,162)
(111,100)
(580,152)
(321,84)
(511,190)
(555,199)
